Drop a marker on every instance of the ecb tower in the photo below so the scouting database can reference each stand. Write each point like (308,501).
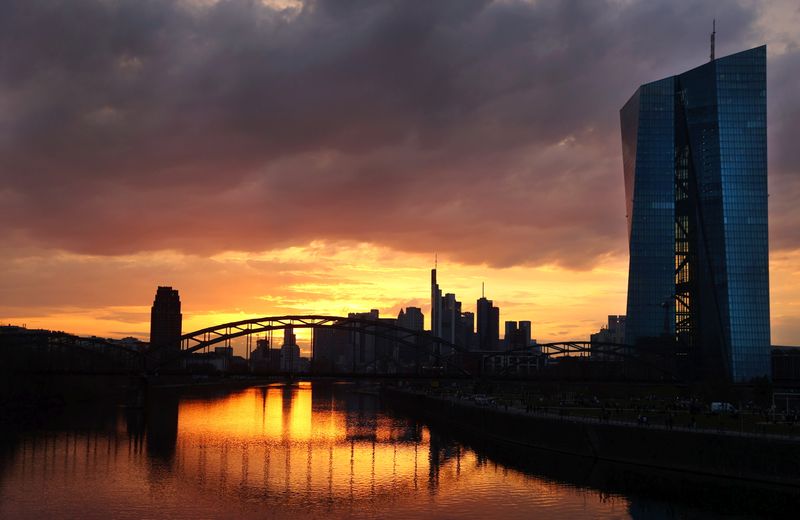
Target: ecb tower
(695,160)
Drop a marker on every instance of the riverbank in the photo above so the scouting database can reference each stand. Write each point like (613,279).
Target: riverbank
(768,459)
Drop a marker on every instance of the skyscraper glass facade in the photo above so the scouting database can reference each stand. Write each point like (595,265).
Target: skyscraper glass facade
(694,154)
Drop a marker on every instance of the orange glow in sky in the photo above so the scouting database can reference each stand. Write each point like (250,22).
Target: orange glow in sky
(111,296)
(316,186)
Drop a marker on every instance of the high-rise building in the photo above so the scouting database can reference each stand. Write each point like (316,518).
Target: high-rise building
(446,316)
(525,330)
(436,306)
(488,324)
(165,321)
(333,350)
(466,336)
(290,352)
(264,358)
(517,336)
(613,332)
(411,318)
(451,315)
(510,330)
(363,343)
(695,161)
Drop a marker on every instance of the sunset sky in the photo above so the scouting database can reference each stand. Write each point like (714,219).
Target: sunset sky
(286,157)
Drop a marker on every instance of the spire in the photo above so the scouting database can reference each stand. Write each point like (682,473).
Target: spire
(713,36)
(483,289)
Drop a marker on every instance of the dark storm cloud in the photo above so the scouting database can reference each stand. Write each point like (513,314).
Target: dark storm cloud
(486,130)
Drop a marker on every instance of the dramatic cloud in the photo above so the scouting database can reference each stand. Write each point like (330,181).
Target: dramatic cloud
(487,130)
(69,291)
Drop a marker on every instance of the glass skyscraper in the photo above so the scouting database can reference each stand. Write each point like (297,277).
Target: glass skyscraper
(695,160)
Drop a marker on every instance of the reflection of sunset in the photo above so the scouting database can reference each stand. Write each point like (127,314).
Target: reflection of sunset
(321,450)
(274,413)
(300,413)
(318,444)
(271,408)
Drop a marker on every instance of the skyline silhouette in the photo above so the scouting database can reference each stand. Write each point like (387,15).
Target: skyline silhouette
(312,157)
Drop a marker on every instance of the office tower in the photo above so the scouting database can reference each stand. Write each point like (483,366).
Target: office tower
(363,343)
(436,306)
(695,161)
(445,316)
(517,337)
(411,318)
(525,330)
(451,314)
(410,353)
(262,358)
(333,350)
(290,352)
(510,330)
(466,331)
(165,321)
(612,332)
(488,324)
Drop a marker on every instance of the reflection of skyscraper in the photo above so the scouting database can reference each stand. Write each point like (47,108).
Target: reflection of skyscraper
(695,160)
(162,427)
(165,320)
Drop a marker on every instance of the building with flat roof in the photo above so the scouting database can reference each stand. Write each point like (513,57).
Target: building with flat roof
(166,321)
(488,317)
(695,161)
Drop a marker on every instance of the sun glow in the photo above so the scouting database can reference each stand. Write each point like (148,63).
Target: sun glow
(333,279)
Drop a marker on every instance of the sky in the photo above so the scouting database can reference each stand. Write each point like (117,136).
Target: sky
(294,157)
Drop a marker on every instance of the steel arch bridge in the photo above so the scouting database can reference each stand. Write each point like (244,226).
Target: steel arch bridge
(443,351)
(656,360)
(60,352)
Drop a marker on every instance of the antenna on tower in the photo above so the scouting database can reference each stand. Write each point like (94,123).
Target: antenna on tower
(435,260)
(483,290)
(713,36)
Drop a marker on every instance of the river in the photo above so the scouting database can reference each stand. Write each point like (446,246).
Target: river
(303,450)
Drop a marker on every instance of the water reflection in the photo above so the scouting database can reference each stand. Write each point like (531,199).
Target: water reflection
(281,451)
(303,442)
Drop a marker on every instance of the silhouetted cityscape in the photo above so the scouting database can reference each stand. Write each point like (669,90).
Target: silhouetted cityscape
(265,179)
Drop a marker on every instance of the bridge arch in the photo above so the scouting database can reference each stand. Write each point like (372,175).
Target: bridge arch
(60,352)
(440,349)
(656,360)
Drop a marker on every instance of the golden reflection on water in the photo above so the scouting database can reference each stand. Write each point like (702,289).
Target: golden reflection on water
(283,437)
(287,438)
(292,450)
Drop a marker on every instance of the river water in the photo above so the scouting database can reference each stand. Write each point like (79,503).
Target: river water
(293,451)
